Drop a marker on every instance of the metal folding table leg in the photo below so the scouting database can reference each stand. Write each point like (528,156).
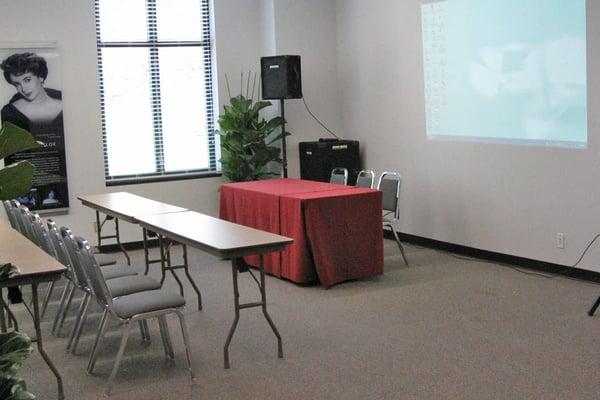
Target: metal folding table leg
(116,236)
(236,302)
(263,295)
(146,235)
(38,334)
(189,277)
(594,307)
(3,327)
(166,265)
(10,317)
(236,264)
(163,260)
(146,251)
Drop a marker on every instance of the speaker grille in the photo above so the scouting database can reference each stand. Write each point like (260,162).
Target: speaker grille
(317,159)
(281,77)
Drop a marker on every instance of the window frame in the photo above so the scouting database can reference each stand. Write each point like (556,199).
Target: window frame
(206,44)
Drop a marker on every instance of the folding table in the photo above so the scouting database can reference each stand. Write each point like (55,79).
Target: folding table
(127,206)
(35,267)
(215,236)
(227,240)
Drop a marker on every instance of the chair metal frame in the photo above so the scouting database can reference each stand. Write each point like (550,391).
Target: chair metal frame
(391,215)
(15,206)
(26,229)
(67,241)
(46,243)
(102,295)
(27,221)
(337,174)
(79,282)
(8,207)
(365,174)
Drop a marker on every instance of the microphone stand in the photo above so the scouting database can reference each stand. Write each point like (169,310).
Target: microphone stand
(283,146)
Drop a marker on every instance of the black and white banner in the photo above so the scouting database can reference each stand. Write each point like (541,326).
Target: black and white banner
(31,98)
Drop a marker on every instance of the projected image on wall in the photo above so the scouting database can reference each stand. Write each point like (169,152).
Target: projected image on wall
(506,71)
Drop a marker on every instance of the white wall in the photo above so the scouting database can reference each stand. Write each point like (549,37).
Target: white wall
(503,198)
(71,24)
(308,28)
(245,30)
(362,75)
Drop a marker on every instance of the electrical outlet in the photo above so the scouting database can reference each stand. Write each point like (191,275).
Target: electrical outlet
(560,240)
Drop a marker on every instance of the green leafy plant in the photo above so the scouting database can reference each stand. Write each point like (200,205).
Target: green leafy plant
(247,138)
(14,348)
(15,180)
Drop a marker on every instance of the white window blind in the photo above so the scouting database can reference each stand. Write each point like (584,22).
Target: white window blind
(156,88)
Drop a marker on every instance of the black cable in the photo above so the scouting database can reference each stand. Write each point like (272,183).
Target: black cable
(564,270)
(585,251)
(317,119)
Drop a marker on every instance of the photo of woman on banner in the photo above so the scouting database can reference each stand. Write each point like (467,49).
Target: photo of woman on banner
(34,107)
(39,110)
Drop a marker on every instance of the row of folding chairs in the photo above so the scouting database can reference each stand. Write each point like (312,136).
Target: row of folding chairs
(365,178)
(121,293)
(389,184)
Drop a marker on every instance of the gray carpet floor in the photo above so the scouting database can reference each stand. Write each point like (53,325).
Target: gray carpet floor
(442,328)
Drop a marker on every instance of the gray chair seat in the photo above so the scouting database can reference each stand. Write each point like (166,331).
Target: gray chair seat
(131,284)
(105,259)
(144,302)
(117,271)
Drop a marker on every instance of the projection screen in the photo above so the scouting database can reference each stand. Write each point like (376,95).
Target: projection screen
(506,71)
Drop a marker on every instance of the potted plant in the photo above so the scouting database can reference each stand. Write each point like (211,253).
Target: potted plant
(14,348)
(15,180)
(246,139)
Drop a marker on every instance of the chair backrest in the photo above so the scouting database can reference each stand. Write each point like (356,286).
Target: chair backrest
(41,234)
(365,178)
(93,272)
(10,213)
(339,176)
(70,244)
(24,216)
(16,213)
(390,183)
(60,249)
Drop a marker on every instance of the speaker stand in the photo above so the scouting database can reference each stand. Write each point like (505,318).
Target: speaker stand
(283,147)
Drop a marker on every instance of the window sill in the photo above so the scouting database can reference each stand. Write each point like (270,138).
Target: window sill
(163,178)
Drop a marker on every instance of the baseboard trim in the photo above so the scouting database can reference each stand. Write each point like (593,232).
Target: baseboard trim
(529,263)
(502,258)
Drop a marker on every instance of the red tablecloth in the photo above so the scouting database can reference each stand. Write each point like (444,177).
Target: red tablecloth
(336,229)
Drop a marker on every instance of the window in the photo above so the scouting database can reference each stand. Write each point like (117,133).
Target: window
(156,88)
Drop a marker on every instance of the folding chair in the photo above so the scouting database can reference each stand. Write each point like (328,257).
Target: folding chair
(339,176)
(390,183)
(128,309)
(120,282)
(365,178)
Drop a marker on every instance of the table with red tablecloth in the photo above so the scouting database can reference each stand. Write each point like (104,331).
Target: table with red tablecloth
(336,229)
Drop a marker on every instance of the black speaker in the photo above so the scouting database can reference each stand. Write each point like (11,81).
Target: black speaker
(281,77)
(317,159)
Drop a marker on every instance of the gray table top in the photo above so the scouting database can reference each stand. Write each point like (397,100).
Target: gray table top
(33,262)
(213,235)
(127,206)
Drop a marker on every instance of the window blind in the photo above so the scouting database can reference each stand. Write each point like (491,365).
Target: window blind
(156,88)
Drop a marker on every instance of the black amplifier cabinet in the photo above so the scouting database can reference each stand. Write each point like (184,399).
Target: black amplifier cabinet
(317,159)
